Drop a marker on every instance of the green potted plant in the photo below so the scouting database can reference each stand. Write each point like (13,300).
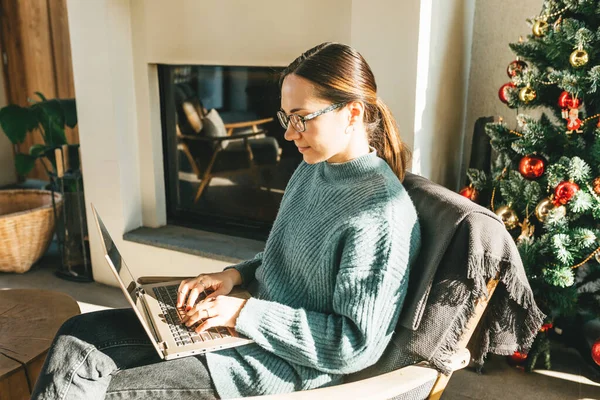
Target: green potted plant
(49,118)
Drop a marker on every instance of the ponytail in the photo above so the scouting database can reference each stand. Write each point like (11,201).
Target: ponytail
(386,140)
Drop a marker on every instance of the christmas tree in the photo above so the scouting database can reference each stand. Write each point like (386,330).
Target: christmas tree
(544,181)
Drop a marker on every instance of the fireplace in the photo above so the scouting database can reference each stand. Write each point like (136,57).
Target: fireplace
(231,186)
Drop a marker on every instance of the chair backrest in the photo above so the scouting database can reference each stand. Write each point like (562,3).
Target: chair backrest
(443,214)
(442,298)
(189,110)
(194,119)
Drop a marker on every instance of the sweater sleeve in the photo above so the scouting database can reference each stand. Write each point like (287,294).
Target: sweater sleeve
(369,291)
(247,269)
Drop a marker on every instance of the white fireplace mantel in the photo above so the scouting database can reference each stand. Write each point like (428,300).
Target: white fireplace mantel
(116,45)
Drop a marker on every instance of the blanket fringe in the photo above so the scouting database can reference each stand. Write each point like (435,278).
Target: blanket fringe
(482,268)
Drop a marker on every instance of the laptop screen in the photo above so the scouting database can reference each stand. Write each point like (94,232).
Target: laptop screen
(115,257)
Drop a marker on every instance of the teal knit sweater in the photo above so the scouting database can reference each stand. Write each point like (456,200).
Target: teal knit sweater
(331,281)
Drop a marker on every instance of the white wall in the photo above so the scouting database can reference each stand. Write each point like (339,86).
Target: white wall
(445,40)
(419,51)
(497,23)
(386,33)
(8,173)
(238,32)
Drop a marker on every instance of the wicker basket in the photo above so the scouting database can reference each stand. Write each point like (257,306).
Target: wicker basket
(26,227)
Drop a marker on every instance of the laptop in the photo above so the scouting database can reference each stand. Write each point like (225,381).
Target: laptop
(155,307)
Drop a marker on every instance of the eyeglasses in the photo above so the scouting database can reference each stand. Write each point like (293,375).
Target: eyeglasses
(299,122)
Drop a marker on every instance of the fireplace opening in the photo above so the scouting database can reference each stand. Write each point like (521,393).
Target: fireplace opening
(225,158)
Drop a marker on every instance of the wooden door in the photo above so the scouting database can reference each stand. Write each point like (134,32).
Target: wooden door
(36,52)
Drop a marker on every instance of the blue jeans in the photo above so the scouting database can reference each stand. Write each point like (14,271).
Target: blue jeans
(107,354)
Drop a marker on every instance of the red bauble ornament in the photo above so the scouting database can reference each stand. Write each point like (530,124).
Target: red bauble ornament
(546,327)
(564,192)
(517,358)
(565,100)
(596,351)
(515,68)
(470,193)
(532,167)
(503,92)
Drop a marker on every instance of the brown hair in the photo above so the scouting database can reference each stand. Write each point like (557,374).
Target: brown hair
(340,75)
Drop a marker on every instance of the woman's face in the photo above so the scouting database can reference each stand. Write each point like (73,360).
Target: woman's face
(324,138)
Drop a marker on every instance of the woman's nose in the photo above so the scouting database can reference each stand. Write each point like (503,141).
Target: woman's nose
(291,134)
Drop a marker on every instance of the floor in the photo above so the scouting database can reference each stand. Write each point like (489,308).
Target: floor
(570,378)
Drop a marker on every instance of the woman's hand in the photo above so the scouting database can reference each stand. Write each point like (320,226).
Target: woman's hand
(219,283)
(216,311)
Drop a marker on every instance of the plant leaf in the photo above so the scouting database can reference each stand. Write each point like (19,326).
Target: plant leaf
(57,133)
(52,110)
(41,96)
(37,150)
(50,115)
(16,122)
(24,163)
(69,111)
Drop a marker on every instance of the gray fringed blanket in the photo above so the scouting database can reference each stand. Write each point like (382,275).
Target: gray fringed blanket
(463,246)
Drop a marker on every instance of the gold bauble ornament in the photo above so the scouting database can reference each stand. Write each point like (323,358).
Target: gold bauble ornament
(527,94)
(508,216)
(579,58)
(561,211)
(539,27)
(543,208)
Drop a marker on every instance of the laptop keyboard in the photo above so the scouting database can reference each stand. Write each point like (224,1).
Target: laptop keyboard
(167,298)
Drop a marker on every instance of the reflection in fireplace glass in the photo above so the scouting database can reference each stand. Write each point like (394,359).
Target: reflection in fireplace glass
(226,160)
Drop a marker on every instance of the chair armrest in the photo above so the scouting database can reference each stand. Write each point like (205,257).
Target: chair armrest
(246,124)
(382,387)
(459,360)
(223,138)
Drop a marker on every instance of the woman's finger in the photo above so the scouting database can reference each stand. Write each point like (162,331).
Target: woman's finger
(191,319)
(192,297)
(199,315)
(184,283)
(195,316)
(182,293)
(208,323)
(203,305)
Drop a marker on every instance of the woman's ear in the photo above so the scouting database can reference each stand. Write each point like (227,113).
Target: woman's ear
(357,111)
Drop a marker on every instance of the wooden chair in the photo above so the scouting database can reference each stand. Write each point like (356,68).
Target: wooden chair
(213,148)
(196,149)
(409,381)
(408,375)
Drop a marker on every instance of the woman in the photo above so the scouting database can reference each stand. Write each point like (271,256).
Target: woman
(330,282)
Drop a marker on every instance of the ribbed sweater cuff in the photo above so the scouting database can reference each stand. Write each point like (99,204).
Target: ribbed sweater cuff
(250,317)
(261,320)
(274,326)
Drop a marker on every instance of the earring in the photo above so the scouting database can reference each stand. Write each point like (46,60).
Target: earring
(346,130)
